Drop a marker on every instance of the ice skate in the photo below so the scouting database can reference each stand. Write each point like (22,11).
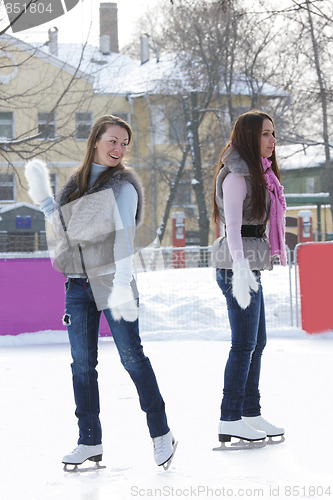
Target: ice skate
(82,453)
(275,434)
(164,449)
(248,437)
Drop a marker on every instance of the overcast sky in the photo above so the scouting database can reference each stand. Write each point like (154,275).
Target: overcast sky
(74,25)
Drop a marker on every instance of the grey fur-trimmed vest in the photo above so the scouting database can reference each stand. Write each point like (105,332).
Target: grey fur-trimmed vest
(84,229)
(115,182)
(256,250)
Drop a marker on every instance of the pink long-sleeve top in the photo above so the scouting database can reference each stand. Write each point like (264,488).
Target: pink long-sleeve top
(234,192)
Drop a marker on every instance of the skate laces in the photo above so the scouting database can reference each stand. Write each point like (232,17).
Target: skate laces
(159,444)
(79,450)
(265,422)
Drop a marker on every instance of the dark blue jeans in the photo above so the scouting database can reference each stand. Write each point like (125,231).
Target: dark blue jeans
(241,394)
(82,318)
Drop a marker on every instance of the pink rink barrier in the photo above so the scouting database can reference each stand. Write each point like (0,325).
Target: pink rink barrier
(32,297)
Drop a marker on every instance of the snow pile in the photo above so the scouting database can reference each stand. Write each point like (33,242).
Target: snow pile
(187,304)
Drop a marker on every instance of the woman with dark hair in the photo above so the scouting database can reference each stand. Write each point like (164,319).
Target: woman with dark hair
(93,221)
(247,196)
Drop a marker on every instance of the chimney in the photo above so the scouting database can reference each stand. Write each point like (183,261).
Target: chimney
(108,28)
(144,43)
(53,41)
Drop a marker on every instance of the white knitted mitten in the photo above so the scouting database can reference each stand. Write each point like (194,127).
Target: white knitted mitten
(243,281)
(38,177)
(122,303)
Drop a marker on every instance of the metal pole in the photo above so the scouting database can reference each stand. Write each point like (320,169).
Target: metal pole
(290,287)
(319,221)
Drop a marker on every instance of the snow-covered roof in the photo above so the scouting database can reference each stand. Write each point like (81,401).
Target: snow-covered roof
(15,206)
(119,74)
(41,51)
(295,156)
(109,71)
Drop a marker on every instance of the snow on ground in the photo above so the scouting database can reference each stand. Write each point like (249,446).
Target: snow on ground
(187,303)
(39,427)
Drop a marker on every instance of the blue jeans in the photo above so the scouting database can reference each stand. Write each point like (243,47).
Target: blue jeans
(241,394)
(82,319)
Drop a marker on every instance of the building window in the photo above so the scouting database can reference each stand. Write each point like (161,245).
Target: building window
(47,125)
(158,125)
(310,185)
(83,124)
(7,187)
(6,124)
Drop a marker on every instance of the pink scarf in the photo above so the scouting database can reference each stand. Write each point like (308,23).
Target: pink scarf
(277,211)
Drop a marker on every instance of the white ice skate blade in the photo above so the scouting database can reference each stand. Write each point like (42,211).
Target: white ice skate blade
(76,468)
(240,445)
(167,464)
(275,439)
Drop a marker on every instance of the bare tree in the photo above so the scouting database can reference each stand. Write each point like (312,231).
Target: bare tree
(221,51)
(61,88)
(323,90)
(50,92)
(192,117)
(173,186)
(308,40)
(275,57)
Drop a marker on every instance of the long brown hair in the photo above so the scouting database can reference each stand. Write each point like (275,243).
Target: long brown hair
(246,139)
(82,174)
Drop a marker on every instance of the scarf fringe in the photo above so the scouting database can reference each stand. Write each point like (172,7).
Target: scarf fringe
(278,208)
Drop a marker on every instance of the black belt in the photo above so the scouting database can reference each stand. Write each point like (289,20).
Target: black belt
(252,231)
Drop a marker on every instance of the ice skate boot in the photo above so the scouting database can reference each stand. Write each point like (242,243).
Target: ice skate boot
(275,434)
(82,453)
(247,436)
(164,449)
